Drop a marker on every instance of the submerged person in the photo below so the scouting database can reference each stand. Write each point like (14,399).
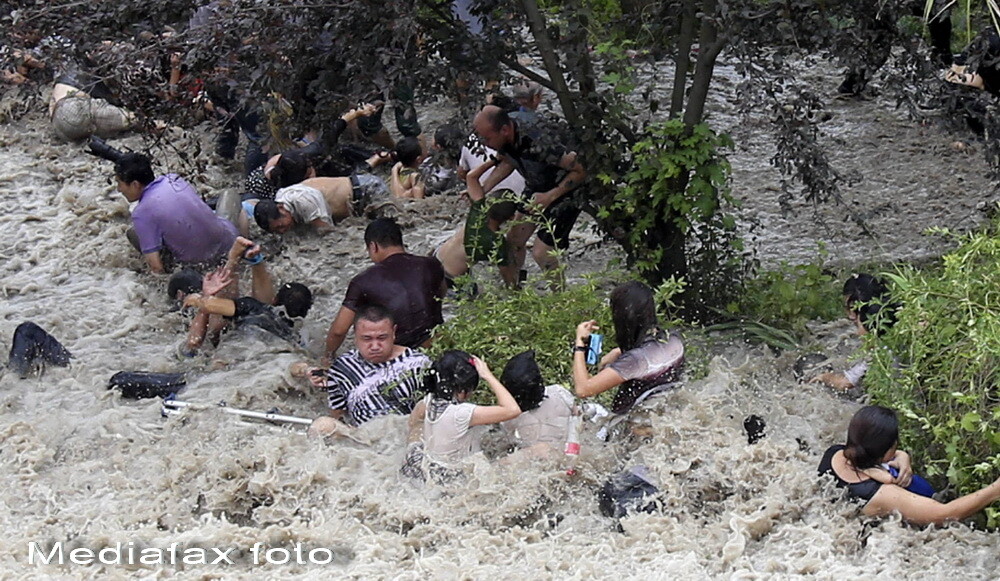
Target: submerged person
(546,410)
(170,216)
(405,179)
(274,310)
(480,239)
(872,439)
(446,422)
(32,346)
(408,286)
(865,296)
(319,202)
(378,377)
(648,360)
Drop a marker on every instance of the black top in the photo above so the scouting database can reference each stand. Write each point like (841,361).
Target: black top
(863,490)
(537,149)
(407,286)
(250,311)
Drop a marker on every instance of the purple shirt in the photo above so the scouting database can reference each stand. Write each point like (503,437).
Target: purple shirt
(170,213)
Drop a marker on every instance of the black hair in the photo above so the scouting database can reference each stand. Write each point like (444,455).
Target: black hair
(264,212)
(374,314)
(295,297)
(450,139)
(407,151)
(502,210)
(451,374)
(186,281)
(873,431)
(384,232)
(523,379)
(134,167)
(292,168)
(868,296)
(633,312)
(506,103)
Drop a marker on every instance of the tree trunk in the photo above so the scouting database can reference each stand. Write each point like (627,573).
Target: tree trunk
(710,45)
(536,22)
(682,59)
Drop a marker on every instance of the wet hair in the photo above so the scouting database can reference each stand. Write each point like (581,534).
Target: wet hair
(503,101)
(186,281)
(408,150)
(633,312)
(873,293)
(292,168)
(296,298)
(502,210)
(134,167)
(264,212)
(497,118)
(374,314)
(451,374)
(450,139)
(523,379)
(384,232)
(872,432)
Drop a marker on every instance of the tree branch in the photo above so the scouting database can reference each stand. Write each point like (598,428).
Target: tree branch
(536,22)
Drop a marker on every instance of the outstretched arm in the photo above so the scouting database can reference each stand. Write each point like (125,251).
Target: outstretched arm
(922,510)
(502,171)
(338,330)
(584,384)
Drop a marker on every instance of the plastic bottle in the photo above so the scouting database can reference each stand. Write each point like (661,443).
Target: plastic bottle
(572,450)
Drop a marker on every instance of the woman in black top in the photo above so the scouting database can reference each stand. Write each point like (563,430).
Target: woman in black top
(872,438)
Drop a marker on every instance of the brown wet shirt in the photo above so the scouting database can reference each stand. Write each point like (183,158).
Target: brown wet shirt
(406,285)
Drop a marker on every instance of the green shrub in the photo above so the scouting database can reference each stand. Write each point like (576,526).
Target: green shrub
(792,295)
(938,366)
(500,323)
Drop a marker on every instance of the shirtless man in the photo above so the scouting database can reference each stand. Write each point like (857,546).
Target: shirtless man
(319,203)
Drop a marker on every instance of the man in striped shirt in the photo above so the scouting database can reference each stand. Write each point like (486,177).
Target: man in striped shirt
(376,378)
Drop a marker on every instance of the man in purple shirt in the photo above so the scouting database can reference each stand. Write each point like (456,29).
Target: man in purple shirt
(170,215)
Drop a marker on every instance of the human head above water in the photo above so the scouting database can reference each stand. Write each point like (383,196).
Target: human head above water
(864,297)
(872,434)
(452,376)
(633,312)
(295,297)
(134,167)
(291,168)
(271,217)
(183,282)
(494,127)
(523,379)
(383,232)
(408,151)
(374,334)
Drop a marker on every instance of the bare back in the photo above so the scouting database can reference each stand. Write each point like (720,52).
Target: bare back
(338,193)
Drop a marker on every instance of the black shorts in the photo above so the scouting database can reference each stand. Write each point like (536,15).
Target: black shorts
(557,220)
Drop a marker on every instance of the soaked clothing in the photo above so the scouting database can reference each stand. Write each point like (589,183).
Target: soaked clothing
(257,185)
(448,437)
(171,214)
(864,490)
(538,148)
(304,203)
(481,243)
(250,311)
(653,366)
(367,390)
(31,345)
(546,424)
(409,287)
(367,190)
(856,373)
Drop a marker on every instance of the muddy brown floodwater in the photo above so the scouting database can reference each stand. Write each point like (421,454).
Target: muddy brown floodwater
(82,468)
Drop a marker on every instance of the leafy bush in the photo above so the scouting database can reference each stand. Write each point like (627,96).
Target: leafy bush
(792,295)
(939,364)
(500,323)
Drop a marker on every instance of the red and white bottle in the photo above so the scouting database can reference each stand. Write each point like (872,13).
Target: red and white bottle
(572,450)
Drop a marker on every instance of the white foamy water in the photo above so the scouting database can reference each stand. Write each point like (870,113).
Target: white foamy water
(81,466)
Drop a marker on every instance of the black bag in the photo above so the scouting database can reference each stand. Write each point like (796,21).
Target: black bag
(144,384)
(628,492)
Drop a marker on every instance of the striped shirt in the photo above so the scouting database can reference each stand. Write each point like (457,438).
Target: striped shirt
(366,390)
